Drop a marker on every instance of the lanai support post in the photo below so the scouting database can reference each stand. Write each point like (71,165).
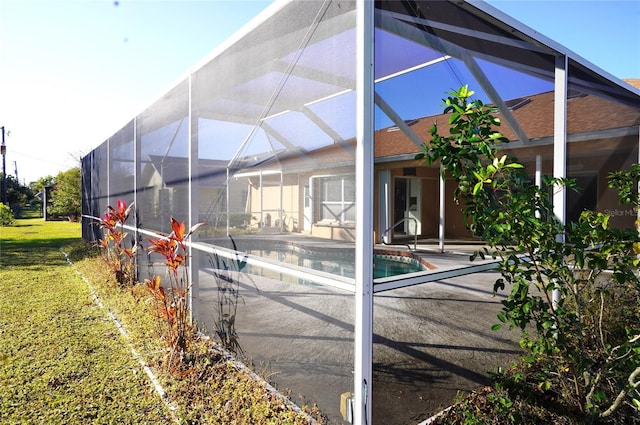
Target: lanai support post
(560,148)
(194,204)
(281,212)
(384,205)
(137,198)
(109,171)
(442,200)
(363,351)
(261,195)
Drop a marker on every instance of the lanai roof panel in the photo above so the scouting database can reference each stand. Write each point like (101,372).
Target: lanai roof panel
(292,68)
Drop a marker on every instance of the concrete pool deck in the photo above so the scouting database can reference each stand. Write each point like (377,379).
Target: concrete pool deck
(430,340)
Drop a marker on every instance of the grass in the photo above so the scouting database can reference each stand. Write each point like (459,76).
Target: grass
(58,360)
(63,361)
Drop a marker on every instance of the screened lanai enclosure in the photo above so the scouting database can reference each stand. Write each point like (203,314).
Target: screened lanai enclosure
(295,142)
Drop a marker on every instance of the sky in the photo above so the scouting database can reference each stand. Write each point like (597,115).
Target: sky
(73,72)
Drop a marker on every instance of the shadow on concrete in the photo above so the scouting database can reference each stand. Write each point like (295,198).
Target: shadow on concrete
(430,341)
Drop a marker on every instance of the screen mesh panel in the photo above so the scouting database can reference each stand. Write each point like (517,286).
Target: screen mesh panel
(100,178)
(121,165)
(297,332)
(89,207)
(599,144)
(260,143)
(163,136)
(427,347)
(95,190)
(273,115)
(426,49)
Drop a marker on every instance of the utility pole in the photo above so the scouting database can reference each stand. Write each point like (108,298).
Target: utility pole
(15,169)
(3,150)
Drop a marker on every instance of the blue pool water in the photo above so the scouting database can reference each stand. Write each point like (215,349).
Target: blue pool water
(342,265)
(385,267)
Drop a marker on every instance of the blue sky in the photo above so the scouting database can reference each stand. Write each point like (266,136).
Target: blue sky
(72,72)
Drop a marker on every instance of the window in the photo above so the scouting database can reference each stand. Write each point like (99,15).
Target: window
(338,199)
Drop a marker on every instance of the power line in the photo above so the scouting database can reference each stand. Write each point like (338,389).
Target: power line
(40,159)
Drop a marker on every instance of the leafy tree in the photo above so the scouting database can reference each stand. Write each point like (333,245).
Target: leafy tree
(18,195)
(582,351)
(39,185)
(66,196)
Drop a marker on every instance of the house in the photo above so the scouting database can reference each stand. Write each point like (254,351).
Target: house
(597,129)
(602,138)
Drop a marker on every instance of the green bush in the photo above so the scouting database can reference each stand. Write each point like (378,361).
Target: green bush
(6,215)
(573,291)
(66,196)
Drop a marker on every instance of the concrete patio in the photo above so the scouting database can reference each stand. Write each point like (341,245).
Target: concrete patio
(430,340)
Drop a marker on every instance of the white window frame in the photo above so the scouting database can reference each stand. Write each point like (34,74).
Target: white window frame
(342,203)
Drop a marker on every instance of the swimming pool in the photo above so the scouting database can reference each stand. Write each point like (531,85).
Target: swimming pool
(385,263)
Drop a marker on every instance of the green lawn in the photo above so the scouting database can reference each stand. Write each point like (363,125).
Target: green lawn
(61,359)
